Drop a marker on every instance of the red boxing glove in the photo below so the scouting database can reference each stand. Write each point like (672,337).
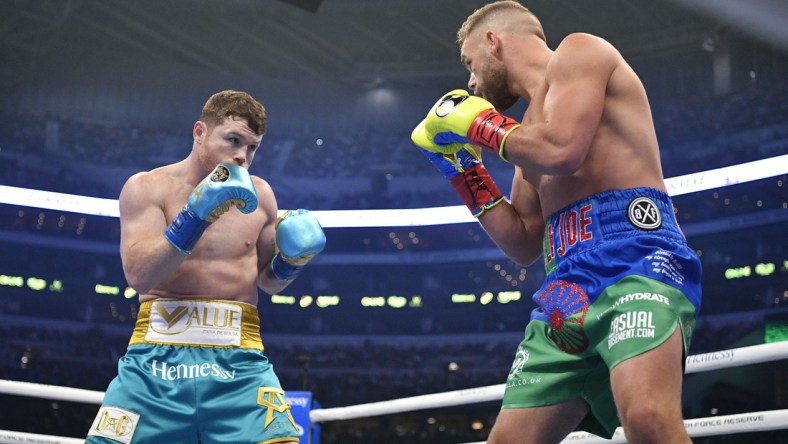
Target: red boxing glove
(477,189)
(490,129)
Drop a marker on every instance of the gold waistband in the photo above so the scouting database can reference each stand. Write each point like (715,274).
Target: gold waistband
(198,323)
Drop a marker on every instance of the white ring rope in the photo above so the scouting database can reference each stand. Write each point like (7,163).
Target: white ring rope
(9,437)
(696,363)
(696,428)
(33,390)
(711,426)
(715,425)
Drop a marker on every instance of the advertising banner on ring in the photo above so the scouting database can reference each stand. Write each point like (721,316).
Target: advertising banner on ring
(300,406)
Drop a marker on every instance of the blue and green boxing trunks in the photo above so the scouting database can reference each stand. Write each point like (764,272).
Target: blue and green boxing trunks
(620,280)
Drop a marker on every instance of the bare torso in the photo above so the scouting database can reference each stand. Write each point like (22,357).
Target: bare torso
(623,153)
(224,263)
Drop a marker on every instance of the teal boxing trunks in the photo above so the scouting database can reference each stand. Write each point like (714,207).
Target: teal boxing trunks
(194,372)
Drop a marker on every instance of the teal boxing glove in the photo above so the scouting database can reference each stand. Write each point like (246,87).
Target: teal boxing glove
(299,237)
(227,185)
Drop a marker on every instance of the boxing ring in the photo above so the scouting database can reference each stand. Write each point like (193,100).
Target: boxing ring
(760,421)
(751,422)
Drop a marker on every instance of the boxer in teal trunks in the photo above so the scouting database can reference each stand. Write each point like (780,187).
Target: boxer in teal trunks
(616,311)
(199,239)
(195,372)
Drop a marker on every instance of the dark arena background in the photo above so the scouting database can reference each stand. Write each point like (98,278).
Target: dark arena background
(96,90)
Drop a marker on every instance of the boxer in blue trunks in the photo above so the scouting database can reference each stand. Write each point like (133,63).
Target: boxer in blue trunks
(615,314)
(591,317)
(198,238)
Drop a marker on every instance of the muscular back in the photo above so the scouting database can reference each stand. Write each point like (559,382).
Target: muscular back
(588,76)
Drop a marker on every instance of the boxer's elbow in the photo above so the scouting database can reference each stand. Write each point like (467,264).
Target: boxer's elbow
(137,280)
(563,154)
(141,278)
(523,253)
(526,257)
(566,159)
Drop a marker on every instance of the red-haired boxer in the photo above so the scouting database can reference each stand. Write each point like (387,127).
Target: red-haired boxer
(198,238)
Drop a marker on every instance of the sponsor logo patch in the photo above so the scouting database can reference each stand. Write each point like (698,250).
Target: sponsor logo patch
(220,174)
(515,378)
(519,361)
(172,372)
(643,213)
(631,325)
(448,103)
(273,399)
(665,263)
(195,322)
(115,423)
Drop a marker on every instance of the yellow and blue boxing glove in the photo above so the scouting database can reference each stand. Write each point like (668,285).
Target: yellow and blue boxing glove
(465,170)
(227,185)
(299,238)
(459,118)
